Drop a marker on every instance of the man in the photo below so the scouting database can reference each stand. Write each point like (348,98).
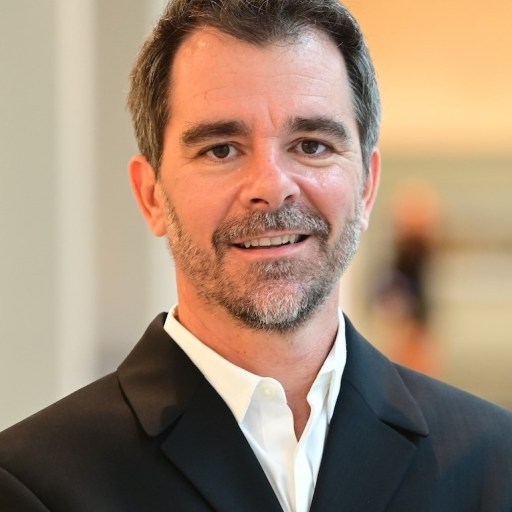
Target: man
(257,122)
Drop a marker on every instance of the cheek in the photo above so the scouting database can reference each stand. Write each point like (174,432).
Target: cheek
(200,209)
(335,196)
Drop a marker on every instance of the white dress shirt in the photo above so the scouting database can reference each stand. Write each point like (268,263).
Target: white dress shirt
(259,406)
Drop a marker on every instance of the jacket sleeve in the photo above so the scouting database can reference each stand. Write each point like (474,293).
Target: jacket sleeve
(14,496)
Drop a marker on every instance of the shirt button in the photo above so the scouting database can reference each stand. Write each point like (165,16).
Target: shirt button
(268,392)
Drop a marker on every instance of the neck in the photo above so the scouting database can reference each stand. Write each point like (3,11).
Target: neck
(292,358)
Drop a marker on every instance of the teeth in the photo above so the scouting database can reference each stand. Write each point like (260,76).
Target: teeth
(274,241)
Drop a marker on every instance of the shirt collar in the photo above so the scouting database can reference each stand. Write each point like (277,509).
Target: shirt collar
(236,386)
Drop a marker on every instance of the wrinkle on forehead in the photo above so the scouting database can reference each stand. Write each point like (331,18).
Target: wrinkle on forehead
(202,46)
(216,76)
(205,37)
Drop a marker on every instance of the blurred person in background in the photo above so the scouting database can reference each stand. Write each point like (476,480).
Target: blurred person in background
(257,122)
(401,304)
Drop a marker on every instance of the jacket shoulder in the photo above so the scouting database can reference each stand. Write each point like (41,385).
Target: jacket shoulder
(69,425)
(463,425)
(443,402)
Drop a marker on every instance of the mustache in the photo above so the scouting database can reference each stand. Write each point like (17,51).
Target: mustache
(287,218)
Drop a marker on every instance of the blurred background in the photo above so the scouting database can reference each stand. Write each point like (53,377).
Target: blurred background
(80,276)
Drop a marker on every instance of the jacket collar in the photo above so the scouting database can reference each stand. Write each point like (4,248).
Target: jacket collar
(380,385)
(170,397)
(373,437)
(158,379)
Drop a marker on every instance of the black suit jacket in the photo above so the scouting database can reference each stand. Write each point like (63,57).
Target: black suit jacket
(155,436)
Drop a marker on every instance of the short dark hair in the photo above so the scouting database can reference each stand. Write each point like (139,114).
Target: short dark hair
(259,22)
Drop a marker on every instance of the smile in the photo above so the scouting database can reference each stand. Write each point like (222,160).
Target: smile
(274,241)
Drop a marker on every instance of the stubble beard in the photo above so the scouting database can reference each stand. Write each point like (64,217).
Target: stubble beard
(273,295)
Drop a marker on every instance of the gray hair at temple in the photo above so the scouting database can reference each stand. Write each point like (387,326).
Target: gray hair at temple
(258,22)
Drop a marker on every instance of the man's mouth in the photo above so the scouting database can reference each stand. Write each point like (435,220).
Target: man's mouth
(274,241)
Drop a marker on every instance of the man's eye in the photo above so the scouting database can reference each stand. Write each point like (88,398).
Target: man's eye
(221,151)
(313,147)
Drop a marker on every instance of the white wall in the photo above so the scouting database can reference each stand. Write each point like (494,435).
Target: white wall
(80,277)
(28,207)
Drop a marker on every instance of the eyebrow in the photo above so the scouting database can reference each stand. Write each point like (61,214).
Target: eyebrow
(202,132)
(320,124)
(206,131)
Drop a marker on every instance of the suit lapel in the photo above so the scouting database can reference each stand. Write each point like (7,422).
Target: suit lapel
(364,460)
(372,437)
(168,393)
(210,449)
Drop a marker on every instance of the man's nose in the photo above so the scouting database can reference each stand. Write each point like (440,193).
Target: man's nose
(269,182)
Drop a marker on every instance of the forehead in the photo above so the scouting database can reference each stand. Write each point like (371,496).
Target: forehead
(216,74)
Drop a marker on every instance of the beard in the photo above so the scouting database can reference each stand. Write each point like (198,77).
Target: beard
(272,295)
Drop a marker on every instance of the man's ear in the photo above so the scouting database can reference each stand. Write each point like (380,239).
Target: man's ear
(148,193)
(370,187)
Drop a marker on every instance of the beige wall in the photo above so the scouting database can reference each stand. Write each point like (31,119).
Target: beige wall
(445,69)
(445,72)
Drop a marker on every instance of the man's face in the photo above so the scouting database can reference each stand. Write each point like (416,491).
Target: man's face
(261,176)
